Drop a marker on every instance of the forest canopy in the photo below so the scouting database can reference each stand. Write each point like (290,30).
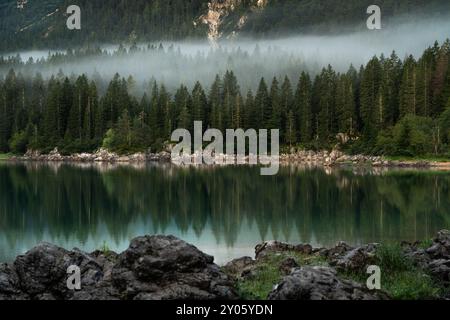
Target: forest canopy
(388,106)
(42,24)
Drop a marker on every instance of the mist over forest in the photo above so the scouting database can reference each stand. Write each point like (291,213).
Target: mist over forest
(186,62)
(378,88)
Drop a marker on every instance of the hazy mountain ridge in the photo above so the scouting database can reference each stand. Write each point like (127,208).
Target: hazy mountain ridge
(42,24)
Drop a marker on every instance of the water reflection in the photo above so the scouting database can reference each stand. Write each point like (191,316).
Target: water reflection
(224,211)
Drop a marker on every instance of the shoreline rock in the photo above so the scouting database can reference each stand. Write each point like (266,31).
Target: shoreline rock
(101,155)
(335,158)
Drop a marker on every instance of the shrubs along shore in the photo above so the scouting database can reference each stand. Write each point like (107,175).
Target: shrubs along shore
(164,267)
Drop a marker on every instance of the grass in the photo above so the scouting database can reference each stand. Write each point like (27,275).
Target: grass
(268,274)
(425,244)
(105,248)
(400,278)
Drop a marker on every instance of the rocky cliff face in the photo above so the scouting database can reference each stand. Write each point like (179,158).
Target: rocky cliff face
(219,13)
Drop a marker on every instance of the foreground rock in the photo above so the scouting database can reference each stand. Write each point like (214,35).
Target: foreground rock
(309,273)
(164,267)
(321,283)
(435,259)
(153,267)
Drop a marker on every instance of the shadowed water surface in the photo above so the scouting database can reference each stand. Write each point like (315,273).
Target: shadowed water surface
(223,211)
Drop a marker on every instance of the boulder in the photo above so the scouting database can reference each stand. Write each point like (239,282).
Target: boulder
(240,268)
(164,267)
(440,270)
(43,270)
(440,248)
(338,250)
(320,283)
(356,260)
(153,267)
(287,265)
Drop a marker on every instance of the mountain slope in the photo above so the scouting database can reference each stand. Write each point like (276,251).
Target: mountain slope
(42,23)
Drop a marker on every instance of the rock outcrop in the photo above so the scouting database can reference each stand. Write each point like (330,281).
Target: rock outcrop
(435,259)
(327,159)
(164,267)
(153,267)
(321,283)
(101,155)
(338,158)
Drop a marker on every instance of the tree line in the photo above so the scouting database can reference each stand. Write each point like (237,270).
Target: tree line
(113,21)
(389,106)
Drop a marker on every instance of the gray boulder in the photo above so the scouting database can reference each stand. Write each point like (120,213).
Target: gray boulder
(355,260)
(320,283)
(153,267)
(164,267)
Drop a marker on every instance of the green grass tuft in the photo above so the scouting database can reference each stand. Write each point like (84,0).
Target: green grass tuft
(105,248)
(400,278)
(268,274)
(425,244)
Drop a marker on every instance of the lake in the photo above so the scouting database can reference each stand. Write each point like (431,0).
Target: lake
(223,211)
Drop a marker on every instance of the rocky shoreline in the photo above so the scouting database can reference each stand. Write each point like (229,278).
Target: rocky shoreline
(334,158)
(164,267)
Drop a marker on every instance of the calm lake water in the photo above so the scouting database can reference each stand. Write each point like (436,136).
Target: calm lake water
(223,211)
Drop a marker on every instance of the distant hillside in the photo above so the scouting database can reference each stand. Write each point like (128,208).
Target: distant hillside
(42,23)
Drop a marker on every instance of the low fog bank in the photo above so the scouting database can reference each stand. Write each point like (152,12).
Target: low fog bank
(187,62)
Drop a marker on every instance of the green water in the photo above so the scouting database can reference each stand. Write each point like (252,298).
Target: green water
(223,211)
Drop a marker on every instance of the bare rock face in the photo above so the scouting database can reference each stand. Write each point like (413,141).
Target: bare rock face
(320,283)
(340,249)
(153,267)
(355,260)
(240,268)
(9,284)
(441,246)
(164,267)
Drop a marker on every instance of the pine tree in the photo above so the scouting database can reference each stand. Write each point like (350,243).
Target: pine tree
(345,105)
(408,89)
(250,112)
(371,79)
(10,105)
(291,135)
(154,114)
(286,105)
(439,76)
(124,132)
(325,87)
(275,104)
(262,104)
(230,92)
(199,104)
(167,112)
(303,108)
(50,127)
(215,101)
(183,109)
